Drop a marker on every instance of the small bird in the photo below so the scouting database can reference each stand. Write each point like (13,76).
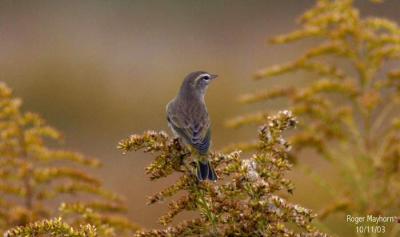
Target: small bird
(188,119)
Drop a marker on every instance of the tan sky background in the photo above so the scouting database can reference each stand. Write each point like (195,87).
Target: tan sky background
(101,70)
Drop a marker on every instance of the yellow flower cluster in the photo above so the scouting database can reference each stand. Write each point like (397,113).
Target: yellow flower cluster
(348,108)
(33,177)
(245,200)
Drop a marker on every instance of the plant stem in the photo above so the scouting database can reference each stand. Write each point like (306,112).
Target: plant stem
(27,176)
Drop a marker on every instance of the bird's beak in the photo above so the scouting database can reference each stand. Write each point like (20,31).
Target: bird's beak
(213,76)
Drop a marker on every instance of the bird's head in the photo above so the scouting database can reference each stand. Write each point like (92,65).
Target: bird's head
(198,81)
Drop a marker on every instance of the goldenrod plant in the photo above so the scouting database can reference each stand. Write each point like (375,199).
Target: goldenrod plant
(53,227)
(35,179)
(246,201)
(348,108)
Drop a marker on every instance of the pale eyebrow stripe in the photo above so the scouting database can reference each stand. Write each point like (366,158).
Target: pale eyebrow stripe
(202,75)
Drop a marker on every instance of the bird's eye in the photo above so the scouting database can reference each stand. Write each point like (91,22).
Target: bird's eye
(206,77)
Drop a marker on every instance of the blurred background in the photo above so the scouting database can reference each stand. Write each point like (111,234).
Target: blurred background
(102,70)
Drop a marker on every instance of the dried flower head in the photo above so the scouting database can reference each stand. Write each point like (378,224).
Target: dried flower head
(243,203)
(349,106)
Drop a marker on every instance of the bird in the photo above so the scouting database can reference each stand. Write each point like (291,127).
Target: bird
(188,119)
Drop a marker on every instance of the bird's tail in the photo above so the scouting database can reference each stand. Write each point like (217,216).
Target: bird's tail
(205,171)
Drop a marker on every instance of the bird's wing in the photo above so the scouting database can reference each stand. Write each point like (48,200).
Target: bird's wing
(194,130)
